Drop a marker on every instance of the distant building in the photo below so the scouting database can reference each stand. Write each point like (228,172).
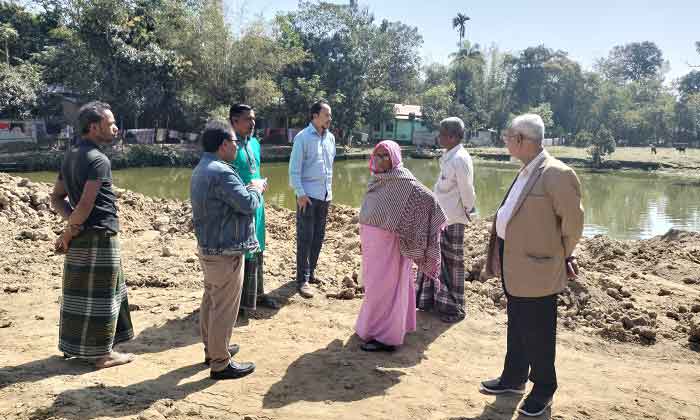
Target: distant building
(406,127)
(557,141)
(482,138)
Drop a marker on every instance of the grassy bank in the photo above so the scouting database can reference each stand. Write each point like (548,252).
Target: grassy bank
(136,156)
(139,156)
(622,158)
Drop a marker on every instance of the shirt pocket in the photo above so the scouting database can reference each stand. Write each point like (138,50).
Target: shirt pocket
(445,181)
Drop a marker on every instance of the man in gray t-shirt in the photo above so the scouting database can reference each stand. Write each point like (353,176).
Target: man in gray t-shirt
(93,282)
(85,162)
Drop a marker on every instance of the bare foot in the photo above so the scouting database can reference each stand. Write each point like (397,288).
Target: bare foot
(114,359)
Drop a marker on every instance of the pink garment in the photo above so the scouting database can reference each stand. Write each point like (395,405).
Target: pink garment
(389,308)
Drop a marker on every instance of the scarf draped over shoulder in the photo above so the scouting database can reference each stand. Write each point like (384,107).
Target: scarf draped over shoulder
(397,202)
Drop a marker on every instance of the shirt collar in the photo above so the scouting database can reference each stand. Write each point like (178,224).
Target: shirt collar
(313,129)
(534,163)
(85,142)
(451,153)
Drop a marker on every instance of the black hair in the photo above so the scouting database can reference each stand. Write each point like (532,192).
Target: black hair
(238,109)
(317,106)
(215,132)
(91,113)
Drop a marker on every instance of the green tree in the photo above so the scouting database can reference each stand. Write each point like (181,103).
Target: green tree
(438,103)
(544,110)
(584,138)
(603,143)
(467,73)
(263,94)
(633,62)
(434,74)
(688,117)
(689,84)
(498,87)
(111,50)
(25,32)
(360,61)
(380,106)
(20,90)
(299,94)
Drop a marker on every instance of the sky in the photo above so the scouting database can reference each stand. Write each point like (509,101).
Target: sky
(587,30)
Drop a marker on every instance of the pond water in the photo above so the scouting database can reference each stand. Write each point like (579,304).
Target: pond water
(623,205)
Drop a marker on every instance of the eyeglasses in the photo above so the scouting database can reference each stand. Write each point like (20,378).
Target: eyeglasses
(382,157)
(505,137)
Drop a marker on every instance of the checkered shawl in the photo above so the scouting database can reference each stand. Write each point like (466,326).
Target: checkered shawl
(396,202)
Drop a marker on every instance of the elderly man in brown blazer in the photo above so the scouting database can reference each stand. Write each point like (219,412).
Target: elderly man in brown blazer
(533,238)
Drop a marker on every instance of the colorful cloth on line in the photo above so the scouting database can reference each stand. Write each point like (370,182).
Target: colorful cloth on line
(94,309)
(247,165)
(398,203)
(446,295)
(252,282)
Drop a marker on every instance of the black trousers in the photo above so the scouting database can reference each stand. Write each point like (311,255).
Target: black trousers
(311,229)
(532,334)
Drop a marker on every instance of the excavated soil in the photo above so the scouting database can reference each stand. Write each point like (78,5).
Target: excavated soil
(631,318)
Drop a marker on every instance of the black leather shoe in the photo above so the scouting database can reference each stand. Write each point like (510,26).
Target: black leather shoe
(375,345)
(234,371)
(232,349)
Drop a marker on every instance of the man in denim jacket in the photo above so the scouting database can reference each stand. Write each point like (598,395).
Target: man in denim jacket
(222,214)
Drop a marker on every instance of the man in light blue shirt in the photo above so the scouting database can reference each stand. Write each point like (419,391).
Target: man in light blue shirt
(311,175)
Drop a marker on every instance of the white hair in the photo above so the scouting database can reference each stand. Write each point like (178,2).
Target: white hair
(530,126)
(454,126)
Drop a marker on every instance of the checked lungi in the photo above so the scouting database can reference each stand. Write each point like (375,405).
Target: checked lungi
(253,286)
(445,296)
(95,309)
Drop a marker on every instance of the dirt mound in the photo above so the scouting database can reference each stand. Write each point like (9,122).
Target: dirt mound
(631,291)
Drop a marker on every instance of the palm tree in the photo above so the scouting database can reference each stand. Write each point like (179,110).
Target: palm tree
(460,22)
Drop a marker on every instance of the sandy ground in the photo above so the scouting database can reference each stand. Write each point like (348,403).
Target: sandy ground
(627,345)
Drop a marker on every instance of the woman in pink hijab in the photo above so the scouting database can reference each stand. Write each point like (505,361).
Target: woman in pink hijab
(400,224)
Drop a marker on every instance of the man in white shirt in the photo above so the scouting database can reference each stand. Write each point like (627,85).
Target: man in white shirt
(454,190)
